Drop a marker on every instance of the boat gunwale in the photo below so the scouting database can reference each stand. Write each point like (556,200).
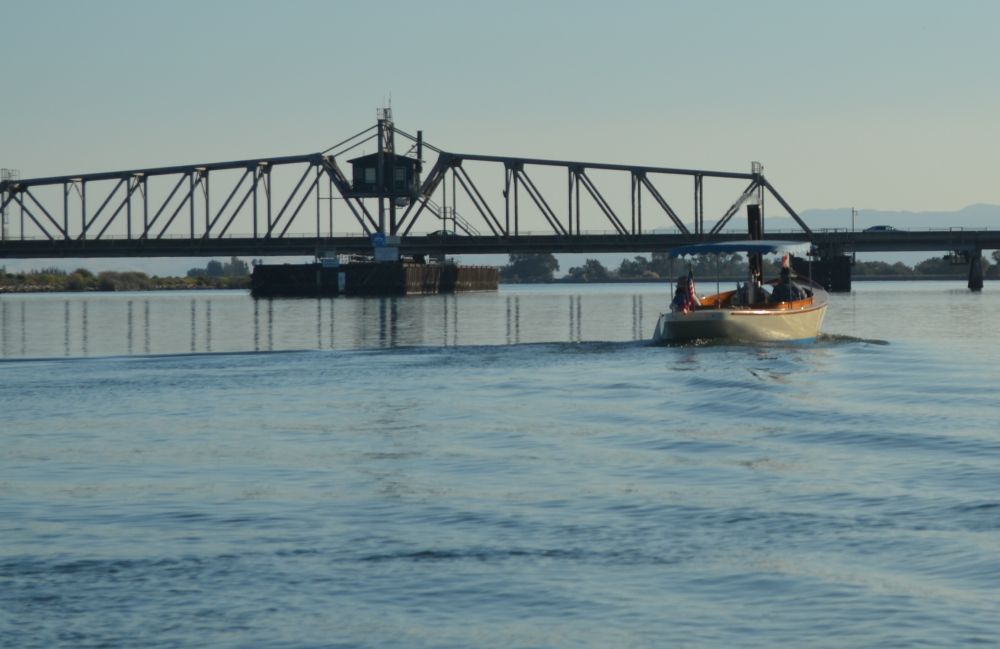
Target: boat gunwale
(752,310)
(804,305)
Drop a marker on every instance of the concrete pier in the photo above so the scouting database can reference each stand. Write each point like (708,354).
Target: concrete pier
(976,270)
(833,273)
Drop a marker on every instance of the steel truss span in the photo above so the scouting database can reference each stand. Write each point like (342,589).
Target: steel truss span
(142,206)
(628,219)
(307,204)
(287,205)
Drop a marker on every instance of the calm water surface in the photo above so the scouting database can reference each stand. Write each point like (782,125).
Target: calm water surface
(518,469)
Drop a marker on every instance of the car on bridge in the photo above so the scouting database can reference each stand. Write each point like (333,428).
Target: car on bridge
(880,228)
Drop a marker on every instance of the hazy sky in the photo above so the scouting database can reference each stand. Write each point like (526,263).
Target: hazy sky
(890,104)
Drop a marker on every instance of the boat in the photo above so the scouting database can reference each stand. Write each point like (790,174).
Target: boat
(747,313)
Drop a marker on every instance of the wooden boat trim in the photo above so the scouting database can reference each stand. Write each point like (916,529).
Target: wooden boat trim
(717,302)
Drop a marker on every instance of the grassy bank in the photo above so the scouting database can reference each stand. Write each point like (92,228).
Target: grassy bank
(55,281)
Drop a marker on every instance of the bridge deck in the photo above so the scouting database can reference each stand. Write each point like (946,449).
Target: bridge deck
(838,242)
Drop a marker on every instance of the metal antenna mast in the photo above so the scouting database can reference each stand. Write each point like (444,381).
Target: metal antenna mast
(386,145)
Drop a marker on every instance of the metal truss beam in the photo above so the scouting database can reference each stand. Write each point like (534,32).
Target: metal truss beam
(581,176)
(477,199)
(579,182)
(127,212)
(752,188)
(676,220)
(427,189)
(249,190)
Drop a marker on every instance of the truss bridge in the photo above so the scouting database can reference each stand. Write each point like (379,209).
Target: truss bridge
(339,199)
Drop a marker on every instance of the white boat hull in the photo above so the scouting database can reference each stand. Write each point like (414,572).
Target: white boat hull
(800,324)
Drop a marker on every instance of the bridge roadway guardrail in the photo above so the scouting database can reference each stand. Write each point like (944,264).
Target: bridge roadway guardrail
(828,242)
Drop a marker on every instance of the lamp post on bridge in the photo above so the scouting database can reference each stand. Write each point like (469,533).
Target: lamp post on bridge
(854,253)
(8,175)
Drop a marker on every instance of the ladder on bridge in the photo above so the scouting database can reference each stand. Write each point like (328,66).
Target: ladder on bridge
(457,219)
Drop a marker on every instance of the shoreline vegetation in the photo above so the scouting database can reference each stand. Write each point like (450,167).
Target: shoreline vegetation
(540,268)
(234,274)
(521,269)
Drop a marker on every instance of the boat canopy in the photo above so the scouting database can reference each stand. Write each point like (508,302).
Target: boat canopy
(759,246)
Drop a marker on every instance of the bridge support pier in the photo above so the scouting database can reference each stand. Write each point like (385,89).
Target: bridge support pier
(832,272)
(975,270)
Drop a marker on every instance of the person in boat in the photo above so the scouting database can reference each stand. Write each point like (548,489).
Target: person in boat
(785,291)
(685,298)
(749,294)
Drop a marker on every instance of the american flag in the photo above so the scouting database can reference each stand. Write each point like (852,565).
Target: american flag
(689,299)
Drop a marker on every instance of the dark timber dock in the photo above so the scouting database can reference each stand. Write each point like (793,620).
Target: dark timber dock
(370,279)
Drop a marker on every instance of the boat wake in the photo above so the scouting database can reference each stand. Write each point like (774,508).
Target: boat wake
(821,339)
(836,339)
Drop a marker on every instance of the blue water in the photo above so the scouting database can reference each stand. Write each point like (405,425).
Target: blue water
(517,469)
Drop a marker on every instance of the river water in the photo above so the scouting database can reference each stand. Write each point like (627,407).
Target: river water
(512,469)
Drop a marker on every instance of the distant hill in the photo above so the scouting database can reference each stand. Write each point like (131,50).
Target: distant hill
(978,217)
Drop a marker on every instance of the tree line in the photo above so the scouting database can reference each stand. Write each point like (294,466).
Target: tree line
(541,267)
(222,275)
(521,268)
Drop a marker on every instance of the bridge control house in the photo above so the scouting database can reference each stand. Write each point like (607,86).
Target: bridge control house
(400,177)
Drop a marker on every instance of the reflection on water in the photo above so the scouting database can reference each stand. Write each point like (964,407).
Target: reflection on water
(112,324)
(684,490)
(637,317)
(222,321)
(513,320)
(574,318)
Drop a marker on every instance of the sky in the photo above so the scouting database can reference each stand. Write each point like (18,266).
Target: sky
(878,104)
